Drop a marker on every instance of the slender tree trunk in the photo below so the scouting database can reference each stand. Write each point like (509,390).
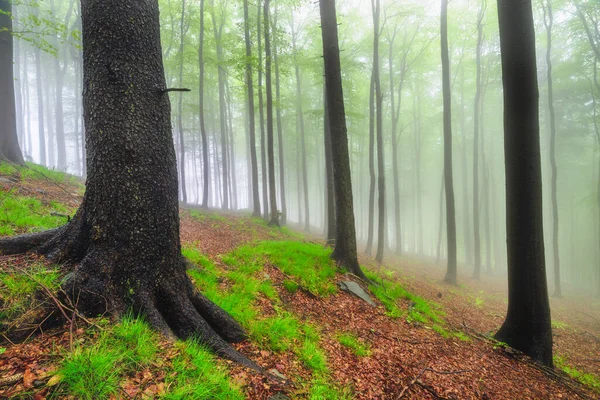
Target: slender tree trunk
(466,214)
(263,152)
(441,222)
(183,31)
(372,180)
(251,117)
(527,325)
(345,252)
(476,129)
(330,192)
(274,220)
(9,142)
(20,75)
(40,98)
(451,274)
(548,22)
(205,157)
(49,103)
(231,139)
(300,121)
(279,127)
(419,235)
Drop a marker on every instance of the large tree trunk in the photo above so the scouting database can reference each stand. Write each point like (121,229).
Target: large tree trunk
(205,159)
(527,325)
(274,220)
(9,143)
(477,104)
(251,118)
(451,273)
(548,22)
(344,253)
(124,239)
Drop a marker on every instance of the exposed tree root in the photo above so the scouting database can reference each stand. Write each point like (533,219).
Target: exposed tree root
(106,281)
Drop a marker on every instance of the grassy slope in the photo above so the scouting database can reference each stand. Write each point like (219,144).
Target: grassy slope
(252,281)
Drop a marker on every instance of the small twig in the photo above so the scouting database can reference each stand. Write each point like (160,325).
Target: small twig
(405,388)
(175,90)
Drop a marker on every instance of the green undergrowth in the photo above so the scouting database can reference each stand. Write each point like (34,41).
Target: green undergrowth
(355,345)
(31,171)
(237,288)
(18,291)
(99,364)
(589,380)
(28,214)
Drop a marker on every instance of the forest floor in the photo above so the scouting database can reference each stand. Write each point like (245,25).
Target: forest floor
(423,339)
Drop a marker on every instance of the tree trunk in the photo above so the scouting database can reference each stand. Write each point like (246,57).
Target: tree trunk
(344,253)
(441,222)
(372,178)
(464,170)
(183,31)
(527,326)
(274,220)
(477,104)
(279,127)
(330,192)
(381,225)
(451,273)
(40,98)
(300,121)
(9,142)
(419,235)
(222,119)
(263,152)
(205,159)
(251,118)
(548,22)
(124,239)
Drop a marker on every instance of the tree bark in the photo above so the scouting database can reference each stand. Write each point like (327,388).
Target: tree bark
(251,117)
(283,218)
(183,31)
(330,192)
(124,239)
(527,325)
(263,152)
(40,98)
(9,142)
(372,177)
(205,159)
(344,253)
(274,220)
(451,273)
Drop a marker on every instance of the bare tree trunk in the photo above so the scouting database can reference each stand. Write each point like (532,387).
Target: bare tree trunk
(183,32)
(466,214)
(205,157)
(40,98)
(283,218)
(231,139)
(330,192)
(372,177)
(263,153)
(451,273)
(251,118)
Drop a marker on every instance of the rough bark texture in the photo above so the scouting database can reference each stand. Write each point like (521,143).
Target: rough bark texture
(451,273)
(9,143)
(251,118)
(527,325)
(330,192)
(344,252)
(124,239)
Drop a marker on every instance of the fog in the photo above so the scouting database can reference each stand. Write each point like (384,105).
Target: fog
(49,86)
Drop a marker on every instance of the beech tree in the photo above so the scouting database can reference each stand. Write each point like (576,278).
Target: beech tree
(527,326)
(124,239)
(9,143)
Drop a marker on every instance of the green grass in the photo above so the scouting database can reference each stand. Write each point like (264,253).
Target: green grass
(354,344)
(18,289)
(590,380)
(33,171)
(27,214)
(558,325)
(322,389)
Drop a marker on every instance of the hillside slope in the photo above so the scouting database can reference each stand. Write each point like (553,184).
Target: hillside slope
(422,340)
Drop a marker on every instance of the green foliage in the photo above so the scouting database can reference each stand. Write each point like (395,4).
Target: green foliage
(590,380)
(354,344)
(322,389)
(313,356)
(197,375)
(558,325)
(290,286)
(31,171)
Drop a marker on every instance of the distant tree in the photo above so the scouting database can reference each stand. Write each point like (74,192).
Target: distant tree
(124,238)
(251,118)
(344,253)
(548,23)
(182,33)
(9,143)
(274,220)
(330,233)
(205,160)
(263,146)
(527,325)
(451,275)
(275,52)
